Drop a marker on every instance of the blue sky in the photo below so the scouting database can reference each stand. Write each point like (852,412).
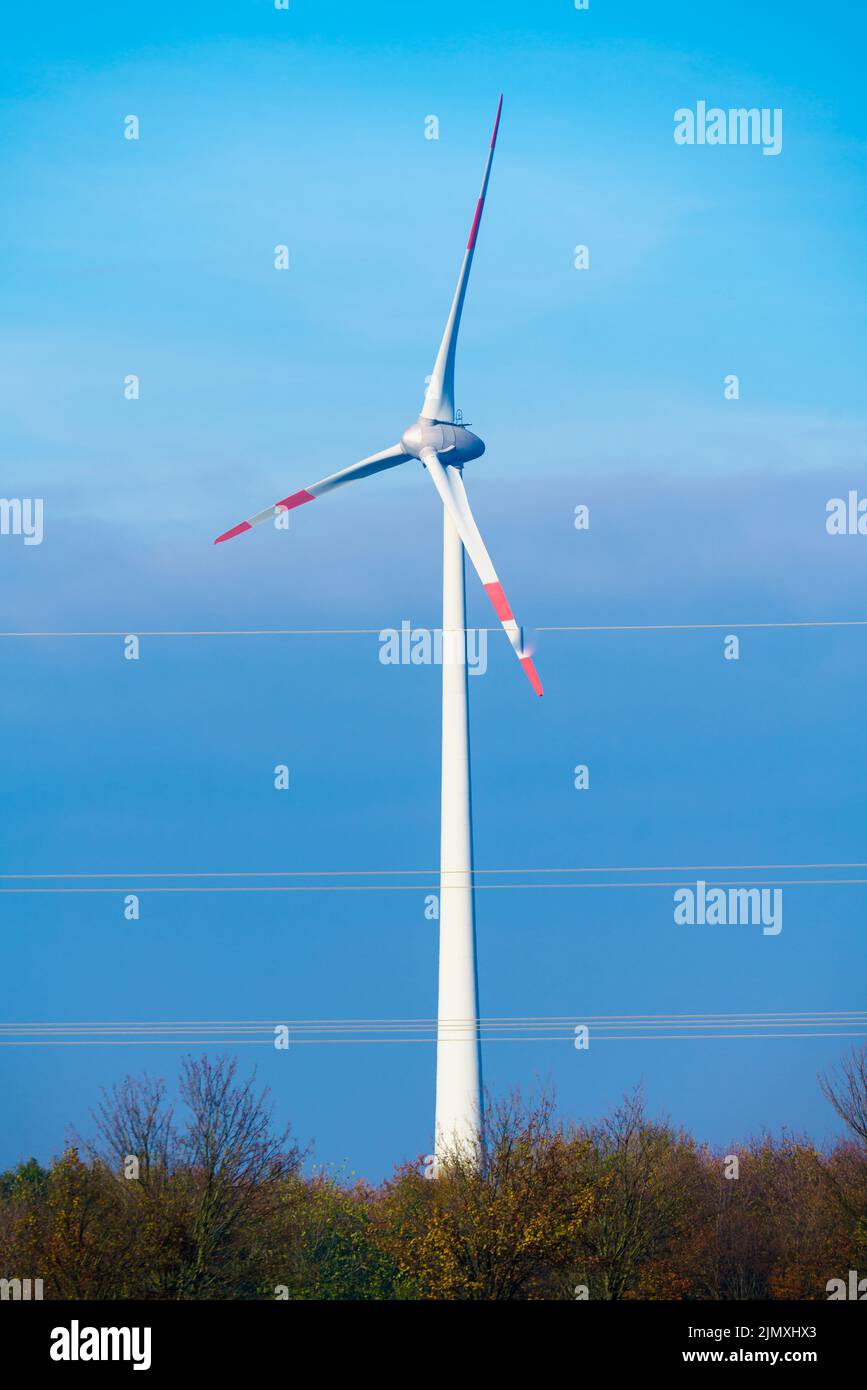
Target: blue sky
(603,387)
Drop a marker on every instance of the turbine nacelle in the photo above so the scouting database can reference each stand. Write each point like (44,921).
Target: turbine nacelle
(456,442)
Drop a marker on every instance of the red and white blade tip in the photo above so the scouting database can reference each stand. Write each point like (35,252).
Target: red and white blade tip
(531,673)
(477,217)
(495,593)
(235,531)
(296,500)
(497,121)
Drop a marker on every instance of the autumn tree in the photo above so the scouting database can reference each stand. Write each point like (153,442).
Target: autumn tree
(847,1092)
(643,1175)
(320,1244)
(201,1189)
(61,1229)
(499,1225)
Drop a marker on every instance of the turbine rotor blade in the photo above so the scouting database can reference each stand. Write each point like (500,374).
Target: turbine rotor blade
(374,463)
(439,401)
(450,486)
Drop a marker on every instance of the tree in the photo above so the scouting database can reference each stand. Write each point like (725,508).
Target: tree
(233,1161)
(848,1092)
(321,1244)
(498,1229)
(64,1233)
(28,1177)
(204,1189)
(135,1120)
(642,1175)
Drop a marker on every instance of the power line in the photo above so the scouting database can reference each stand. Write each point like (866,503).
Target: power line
(703,627)
(375,631)
(747,884)
(665,1018)
(455,1024)
(219,632)
(430,1041)
(447,1024)
(366,1032)
(398,873)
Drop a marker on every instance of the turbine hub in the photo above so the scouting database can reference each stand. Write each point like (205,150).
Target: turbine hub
(455,442)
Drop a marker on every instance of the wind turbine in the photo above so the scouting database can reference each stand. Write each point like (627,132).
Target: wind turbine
(443,445)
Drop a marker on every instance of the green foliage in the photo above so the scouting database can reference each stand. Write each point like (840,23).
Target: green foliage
(27,1180)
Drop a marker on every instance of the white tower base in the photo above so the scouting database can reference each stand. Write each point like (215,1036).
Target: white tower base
(459,1072)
